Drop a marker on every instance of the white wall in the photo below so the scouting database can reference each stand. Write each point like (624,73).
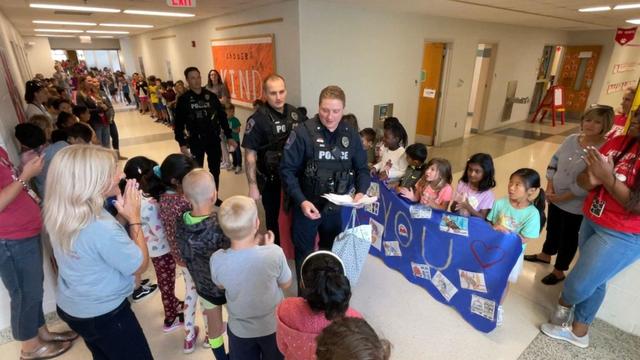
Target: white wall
(39,55)
(8,121)
(376,56)
(628,55)
(181,54)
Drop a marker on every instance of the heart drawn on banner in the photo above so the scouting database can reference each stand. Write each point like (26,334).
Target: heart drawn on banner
(487,256)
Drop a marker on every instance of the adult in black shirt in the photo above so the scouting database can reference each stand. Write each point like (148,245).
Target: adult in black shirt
(200,112)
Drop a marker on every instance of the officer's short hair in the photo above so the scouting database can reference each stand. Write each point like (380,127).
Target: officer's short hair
(272,77)
(333,92)
(237,216)
(190,69)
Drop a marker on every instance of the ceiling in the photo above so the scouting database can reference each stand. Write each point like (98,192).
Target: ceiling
(21,15)
(553,14)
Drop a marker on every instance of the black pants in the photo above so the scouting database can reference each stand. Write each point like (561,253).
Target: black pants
(271,192)
(213,151)
(562,236)
(304,231)
(116,335)
(264,347)
(127,97)
(115,138)
(237,157)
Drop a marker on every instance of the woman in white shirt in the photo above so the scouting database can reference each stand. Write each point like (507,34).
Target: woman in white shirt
(36,96)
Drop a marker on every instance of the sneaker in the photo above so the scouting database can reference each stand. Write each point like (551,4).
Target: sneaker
(206,344)
(144,282)
(174,325)
(238,170)
(564,333)
(499,316)
(143,292)
(562,316)
(190,344)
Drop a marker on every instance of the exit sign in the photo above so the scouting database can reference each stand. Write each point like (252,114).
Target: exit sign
(181,3)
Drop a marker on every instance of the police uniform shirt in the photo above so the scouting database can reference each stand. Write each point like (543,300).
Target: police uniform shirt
(202,115)
(300,148)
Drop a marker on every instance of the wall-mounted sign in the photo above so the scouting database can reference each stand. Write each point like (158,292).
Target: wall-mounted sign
(182,3)
(625,35)
(429,93)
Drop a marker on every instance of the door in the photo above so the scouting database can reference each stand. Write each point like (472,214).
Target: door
(430,91)
(486,52)
(576,76)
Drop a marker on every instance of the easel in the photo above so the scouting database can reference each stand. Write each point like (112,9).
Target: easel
(554,101)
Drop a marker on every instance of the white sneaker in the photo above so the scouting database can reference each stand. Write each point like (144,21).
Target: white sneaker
(499,316)
(564,333)
(562,316)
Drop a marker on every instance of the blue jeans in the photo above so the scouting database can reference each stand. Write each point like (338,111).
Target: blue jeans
(603,254)
(21,272)
(103,134)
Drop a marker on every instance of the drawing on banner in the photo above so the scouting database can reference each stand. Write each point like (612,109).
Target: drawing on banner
(472,281)
(458,225)
(487,256)
(420,212)
(483,307)
(377,230)
(446,288)
(421,270)
(374,190)
(392,248)
(424,257)
(373,208)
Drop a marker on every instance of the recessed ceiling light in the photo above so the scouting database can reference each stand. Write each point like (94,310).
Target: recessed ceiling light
(104,37)
(74,8)
(634,21)
(595,9)
(50,22)
(58,30)
(626,6)
(55,35)
(157,13)
(106,32)
(127,25)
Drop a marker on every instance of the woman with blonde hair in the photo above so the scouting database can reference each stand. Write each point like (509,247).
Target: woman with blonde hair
(99,263)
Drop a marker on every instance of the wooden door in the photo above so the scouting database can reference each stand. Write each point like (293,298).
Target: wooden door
(576,75)
(430,92)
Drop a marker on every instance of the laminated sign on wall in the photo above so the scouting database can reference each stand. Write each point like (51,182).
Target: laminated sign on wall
(243,63)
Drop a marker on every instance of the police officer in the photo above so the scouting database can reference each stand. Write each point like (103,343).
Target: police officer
(323,155)
(265,134)
(200,111)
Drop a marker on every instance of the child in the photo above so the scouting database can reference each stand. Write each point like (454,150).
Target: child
(368,137)
(153,97)
(161,108)
(325,297)
(82,113)
(393,163)
(65,120)
(522,212)
(142,90)
(234,124)
(81,133)
(434,188)
(169,95)
(473,196)
(416,155)
(172,205)
(32,142)
(253,277)
(140,168)
(353,339)
(199,235)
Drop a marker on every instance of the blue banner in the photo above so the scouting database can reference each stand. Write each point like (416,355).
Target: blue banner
(460,261)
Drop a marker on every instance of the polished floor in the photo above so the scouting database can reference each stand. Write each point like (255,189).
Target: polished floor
(418,326)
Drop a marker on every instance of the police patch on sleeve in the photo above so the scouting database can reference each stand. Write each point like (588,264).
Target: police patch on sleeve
(345,141)
(290,140)
(294,116)
(249,126)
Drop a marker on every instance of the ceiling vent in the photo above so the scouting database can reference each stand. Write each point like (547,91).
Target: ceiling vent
(75,13)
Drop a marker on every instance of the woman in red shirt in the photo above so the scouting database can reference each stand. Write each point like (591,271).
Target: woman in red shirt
(21,261)
(609,235)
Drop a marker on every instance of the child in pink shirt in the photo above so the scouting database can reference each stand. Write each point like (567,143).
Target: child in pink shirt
(434,188)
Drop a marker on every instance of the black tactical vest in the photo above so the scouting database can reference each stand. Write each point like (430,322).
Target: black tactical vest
(270,155)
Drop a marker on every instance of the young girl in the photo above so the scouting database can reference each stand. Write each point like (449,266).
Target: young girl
(140,168)
(393,163)
(473,196)
(434,188)
(172,205)
(353,339)
(325,298)
(522,212)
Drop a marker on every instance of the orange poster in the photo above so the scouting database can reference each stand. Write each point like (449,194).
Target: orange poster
(243,63)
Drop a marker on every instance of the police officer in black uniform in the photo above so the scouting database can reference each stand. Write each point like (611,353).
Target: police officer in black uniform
(323,155)
(265,134)
(200,111)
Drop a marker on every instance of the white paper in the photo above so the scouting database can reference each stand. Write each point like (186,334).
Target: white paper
(472,281)
(446,288)
(347,200)
(420,212)
(392,248)
(377,230)
(421,270)
(585,54)
(453,224)
(429,93)
(557,96)
(483,307)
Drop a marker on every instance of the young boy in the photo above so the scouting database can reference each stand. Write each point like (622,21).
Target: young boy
(368,137)
(82,113)
(199,235)
(253,277)
(234,124)
(80,133)
(416,155)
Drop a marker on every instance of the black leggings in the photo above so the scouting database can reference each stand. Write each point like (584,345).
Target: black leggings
(562,236)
